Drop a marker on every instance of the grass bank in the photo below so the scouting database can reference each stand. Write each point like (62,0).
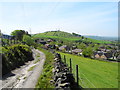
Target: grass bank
(94,73)
(46,76)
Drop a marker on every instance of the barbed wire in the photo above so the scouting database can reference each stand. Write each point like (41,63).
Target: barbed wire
(88,80)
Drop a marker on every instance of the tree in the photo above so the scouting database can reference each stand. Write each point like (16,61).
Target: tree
(82,46)
(82,37)
(76,34)
(28,40)
(19,34)
(87,52)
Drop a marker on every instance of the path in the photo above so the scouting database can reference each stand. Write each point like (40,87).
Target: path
(23,77)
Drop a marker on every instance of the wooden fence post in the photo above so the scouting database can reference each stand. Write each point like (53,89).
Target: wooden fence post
(77,77)
(64,59)
(70,65)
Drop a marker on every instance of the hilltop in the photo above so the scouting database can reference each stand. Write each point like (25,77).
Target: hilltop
(65,36)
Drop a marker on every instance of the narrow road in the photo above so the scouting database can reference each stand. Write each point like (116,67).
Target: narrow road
(27,75)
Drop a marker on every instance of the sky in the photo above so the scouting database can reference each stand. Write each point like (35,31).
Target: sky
(85,18)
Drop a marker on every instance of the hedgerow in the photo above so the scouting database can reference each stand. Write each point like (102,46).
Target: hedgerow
(15,56)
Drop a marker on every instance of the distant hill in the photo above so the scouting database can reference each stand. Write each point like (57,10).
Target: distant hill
(65,36)
(58,33)
(102,37)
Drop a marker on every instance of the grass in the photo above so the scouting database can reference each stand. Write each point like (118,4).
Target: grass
(55,37)
(60,35)
(94,73)
(36,61)
(38,55)
(31,68)
(46,76)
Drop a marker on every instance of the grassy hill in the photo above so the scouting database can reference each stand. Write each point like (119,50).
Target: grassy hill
(94,73)
(60,35)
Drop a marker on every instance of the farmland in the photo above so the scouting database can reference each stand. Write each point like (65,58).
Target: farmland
(94,73)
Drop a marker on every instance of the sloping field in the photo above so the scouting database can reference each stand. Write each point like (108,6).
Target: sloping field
(94,73)
(60,35)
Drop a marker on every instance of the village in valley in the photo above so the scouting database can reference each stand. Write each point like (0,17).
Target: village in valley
(109,52)
(105,51)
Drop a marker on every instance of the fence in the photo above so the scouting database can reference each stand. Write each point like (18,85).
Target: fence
(84,82)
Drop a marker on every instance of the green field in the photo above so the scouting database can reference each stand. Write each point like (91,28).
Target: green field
(94,73)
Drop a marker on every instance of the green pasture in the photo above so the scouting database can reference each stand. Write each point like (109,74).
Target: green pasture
(94,73)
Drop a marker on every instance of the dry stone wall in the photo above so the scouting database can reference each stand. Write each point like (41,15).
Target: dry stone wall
(62,77)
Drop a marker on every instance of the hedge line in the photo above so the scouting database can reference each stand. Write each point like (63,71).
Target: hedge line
(15,56)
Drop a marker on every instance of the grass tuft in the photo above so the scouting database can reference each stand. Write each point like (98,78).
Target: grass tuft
(31,68)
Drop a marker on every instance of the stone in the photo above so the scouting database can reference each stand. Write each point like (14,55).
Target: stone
(64,85)
(51,81)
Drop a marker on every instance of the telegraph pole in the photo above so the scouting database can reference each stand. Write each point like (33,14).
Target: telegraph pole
(30,31)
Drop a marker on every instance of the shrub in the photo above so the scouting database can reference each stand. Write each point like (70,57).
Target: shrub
(14,56)
(28,40)
(88,52)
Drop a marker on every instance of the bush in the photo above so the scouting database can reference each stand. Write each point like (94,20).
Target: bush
(14,56)
(28,40)
(88,52)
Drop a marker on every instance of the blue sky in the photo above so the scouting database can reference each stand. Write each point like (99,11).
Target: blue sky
(85,18)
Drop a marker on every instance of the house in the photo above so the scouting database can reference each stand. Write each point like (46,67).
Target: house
(47,46)
(53,47)
(77,51)
(107,56)
(64,47)
(104,50)
(37,40)
(103,55)
(98,54)
(49,40)
(41,41)
(102,47)
(7,36)
(56,47)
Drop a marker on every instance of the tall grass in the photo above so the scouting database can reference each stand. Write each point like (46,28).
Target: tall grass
(46,76)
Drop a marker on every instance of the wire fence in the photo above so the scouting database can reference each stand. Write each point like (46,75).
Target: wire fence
(79,76)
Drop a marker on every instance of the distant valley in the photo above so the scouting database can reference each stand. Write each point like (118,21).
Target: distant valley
(102,37)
